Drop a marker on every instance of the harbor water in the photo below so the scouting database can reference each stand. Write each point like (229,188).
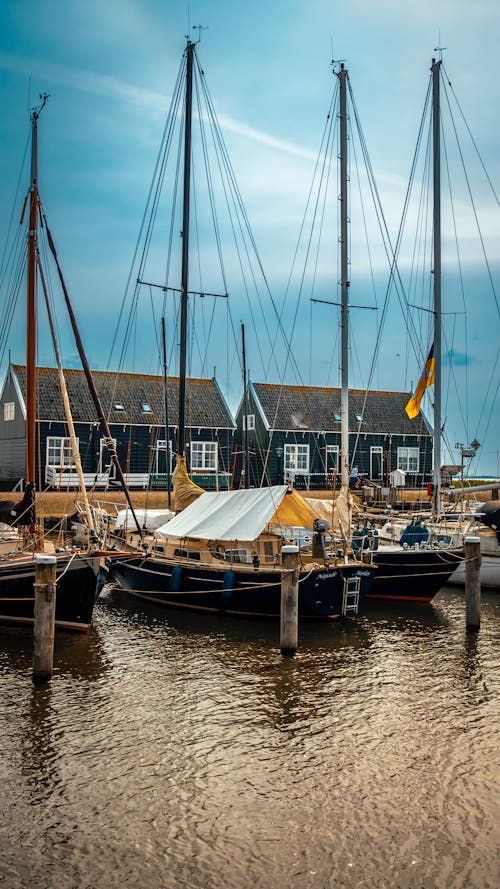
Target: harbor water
(174,751)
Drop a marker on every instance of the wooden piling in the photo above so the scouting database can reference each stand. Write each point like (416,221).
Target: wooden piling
(289,631)
(44,622)
(472,583)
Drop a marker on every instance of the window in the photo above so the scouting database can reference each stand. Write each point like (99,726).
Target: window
(332,457)
(376,462)
(160,464)
(204,455)
(297,458)
(235,555)
(408,459)
(146,408)
(60,452)
(248,421)
(9,410)
(192,554)
(118,406)
(336,416)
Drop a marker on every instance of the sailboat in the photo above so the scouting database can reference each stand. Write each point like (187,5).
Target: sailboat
(76,569)
(417,571)
(222,552)
(411,573)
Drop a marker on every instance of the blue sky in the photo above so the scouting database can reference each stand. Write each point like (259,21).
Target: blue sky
(110,66)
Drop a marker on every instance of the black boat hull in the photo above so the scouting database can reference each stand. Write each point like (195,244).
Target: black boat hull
(233,591)
(76,592)
(412,575)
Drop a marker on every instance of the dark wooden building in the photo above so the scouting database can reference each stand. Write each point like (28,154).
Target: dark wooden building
(293,434)
(135,406)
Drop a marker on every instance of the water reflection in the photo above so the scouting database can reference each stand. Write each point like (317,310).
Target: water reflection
(173,752)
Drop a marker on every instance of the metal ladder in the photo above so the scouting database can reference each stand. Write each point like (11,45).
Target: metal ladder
(350,597)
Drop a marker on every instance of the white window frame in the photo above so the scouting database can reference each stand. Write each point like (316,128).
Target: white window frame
(204,456)
(296,459)
(408,459)
(9,410)
(332,450)
(161,445)
(377,449)
(59,453)
(249,422)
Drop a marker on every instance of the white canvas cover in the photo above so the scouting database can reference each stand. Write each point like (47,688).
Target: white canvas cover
(226,515)
(150,519)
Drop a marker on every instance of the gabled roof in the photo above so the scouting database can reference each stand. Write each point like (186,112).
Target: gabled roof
(314,409)
(205,406)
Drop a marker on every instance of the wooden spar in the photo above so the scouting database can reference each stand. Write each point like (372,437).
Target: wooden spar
(436,164)
(245,409)
(165,395)
(90,382)
(67,407)
(181,436)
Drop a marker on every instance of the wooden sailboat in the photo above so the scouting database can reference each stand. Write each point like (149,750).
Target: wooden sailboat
(222,552)
(416,572)
(76,569)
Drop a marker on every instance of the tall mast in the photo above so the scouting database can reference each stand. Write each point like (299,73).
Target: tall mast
(436,139)
(181,438)
(31,305)
(344,317)
(245,409)
(165,395)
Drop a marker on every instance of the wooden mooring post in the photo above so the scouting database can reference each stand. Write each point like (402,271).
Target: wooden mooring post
(45,615)
(289,613)
(472,583)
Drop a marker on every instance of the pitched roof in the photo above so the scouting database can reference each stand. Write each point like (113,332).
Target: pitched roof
(313,408)
(205,405)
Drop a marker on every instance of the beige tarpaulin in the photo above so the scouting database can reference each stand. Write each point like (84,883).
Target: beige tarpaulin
(336,512)
(185,490)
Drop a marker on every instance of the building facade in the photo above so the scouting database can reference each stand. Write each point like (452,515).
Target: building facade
(136,406)
(292,433)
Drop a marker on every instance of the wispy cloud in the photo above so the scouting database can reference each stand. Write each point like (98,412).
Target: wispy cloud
(114,88)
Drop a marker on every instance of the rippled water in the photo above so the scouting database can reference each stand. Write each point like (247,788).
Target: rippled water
(162,756)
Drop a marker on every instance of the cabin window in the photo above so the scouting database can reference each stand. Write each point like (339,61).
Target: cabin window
(9,410)
(204,455)
(192,554)
(235,555)
(297,458)
(249,422)
(268,551)
(60,452)
(408,459)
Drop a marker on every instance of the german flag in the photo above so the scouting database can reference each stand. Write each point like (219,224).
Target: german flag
(426,380)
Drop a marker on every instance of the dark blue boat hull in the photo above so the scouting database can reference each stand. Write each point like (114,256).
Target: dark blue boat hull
(412,575)
(234,591)
(76,591)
